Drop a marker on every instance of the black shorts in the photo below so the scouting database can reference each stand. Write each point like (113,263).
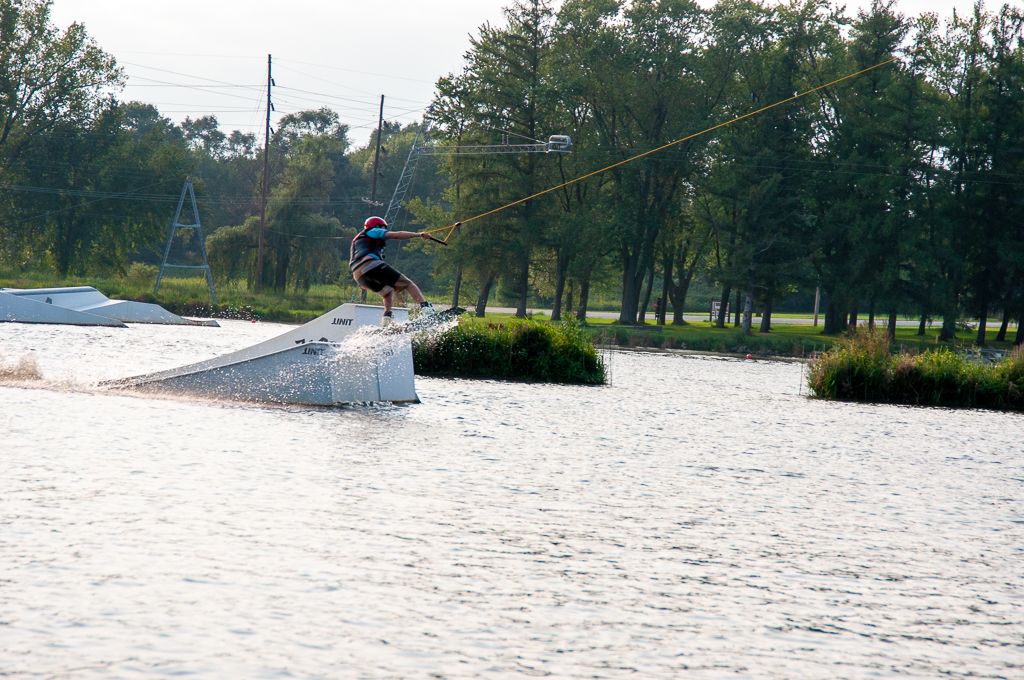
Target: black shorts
(379,278)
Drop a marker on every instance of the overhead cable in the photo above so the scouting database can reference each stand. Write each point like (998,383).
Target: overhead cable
(451,229)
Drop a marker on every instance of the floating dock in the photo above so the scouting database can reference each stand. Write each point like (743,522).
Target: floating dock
(328,361)
(82,306)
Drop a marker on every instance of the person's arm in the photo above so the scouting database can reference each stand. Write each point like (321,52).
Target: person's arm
(405,235)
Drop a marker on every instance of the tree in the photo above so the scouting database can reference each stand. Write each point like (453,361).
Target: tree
(479,252)
(1004,100)
(755,196)
(297,226)
(685,253)
(643,71)
(504,88)
(958,64)
(877,152)
(47,77)
(994,258)
(98,187)
(578,232)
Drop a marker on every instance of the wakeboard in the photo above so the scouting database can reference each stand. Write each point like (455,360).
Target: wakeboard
(419,324)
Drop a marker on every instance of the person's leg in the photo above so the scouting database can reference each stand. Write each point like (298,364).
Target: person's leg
(381,280)
(388,296)
(405,284)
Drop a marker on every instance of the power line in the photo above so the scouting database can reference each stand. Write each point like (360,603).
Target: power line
(189,54)
(324,80)
(188,75)
(365,73)
(135,196)
(348,87)
(163,83)
(336,97)
(256,56)
(220,84)
(81,205)
(200,88)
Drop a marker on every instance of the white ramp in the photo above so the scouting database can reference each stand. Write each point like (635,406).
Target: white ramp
(142,312)
(86,300)
(26,310)
(321,363)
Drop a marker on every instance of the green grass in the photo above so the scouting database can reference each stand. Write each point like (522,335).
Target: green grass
(783,340)
(517,350)
(863,368)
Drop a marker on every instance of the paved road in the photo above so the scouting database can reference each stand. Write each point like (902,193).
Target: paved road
(698,317)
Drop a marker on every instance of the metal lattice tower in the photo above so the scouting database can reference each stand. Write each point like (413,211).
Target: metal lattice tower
(175,226)
(408,172)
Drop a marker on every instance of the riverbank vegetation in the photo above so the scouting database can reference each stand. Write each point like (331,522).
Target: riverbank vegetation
(894,192)
(518,350)
(863,368)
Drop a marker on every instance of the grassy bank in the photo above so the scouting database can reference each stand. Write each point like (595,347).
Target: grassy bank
(517,350)
(700,337)
(706,338)
(785,339)
(863,368)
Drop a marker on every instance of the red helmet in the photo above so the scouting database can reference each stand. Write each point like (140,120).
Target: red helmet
(375,222)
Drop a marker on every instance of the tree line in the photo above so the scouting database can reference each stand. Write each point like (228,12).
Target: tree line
(89,183)
(896,192)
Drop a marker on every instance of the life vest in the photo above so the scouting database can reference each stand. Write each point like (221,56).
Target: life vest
(365,248)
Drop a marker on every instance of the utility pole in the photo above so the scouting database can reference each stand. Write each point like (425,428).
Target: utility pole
(376,157)
(376,164)
(266,183)
(817,299)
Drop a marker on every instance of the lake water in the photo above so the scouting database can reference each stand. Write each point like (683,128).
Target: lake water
(699,517)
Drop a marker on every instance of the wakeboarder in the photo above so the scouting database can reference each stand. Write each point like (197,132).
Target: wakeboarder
(371,272)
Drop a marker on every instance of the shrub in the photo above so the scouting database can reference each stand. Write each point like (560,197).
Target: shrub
(141,275)
(520,350)
(862,368)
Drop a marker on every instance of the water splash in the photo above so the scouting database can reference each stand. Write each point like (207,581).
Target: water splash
(24,369)
(367,339)
(366,350)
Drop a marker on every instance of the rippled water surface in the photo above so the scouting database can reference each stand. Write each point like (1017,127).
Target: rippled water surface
(699,517)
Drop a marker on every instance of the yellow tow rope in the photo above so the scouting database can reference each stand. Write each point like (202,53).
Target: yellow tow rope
(451,229)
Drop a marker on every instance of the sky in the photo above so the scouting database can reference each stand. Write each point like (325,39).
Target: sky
(199,57)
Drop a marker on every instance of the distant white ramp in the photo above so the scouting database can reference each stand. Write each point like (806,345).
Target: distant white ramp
(82,306)
(323,363)
(26,310)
